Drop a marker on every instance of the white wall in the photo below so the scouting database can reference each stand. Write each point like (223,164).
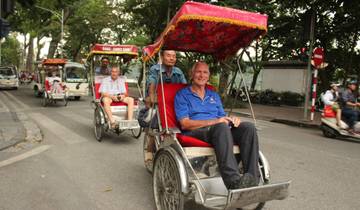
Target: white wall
(280,79)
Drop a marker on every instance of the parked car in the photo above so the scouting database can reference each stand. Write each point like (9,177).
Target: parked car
(9,77)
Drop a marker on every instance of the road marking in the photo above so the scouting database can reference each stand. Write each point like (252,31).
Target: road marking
(59,130)
(2,104)
(25,155)
(77,117)
(17,100)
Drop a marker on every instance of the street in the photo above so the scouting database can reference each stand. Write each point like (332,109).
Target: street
(69,169)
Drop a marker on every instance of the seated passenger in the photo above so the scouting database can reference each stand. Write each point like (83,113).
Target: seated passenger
(349,105)
(331,98)
(104,69)
(113,89)
(201,115)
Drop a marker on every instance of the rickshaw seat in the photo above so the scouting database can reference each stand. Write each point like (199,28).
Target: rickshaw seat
(188,141)
(170,91)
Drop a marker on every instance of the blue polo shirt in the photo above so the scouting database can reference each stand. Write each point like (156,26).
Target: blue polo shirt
(189,104)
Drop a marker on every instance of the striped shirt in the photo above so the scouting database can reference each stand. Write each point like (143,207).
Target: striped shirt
(113,87)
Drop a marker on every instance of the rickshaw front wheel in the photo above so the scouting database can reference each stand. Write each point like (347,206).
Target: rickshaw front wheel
(99,129)
(167,183)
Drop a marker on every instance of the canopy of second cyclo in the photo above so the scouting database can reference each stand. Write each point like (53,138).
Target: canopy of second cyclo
(208,29)
(117,54)
(123,53)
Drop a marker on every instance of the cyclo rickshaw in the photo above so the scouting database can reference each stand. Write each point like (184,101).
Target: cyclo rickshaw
(49,83)
(75,79)
(184,167)
(117,55)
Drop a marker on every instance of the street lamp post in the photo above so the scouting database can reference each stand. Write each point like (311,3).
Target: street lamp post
(61,19)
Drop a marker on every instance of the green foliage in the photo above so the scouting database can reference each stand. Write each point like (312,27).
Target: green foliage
(10,51)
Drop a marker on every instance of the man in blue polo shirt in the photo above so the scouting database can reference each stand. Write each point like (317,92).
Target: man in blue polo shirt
(201,115)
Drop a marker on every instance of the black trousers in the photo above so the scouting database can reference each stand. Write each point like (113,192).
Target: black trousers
(222,138)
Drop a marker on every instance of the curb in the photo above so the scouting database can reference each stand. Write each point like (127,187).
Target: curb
(19,137)
(33,132)
(282,121)
(29,131)
(296,123)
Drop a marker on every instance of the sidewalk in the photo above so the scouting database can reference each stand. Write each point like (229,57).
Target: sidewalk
(281,114)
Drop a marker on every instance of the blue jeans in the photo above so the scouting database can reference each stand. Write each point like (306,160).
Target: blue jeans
(351,116)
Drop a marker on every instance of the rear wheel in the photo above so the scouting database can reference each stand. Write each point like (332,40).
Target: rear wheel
(66,101)
(45,99)
(167,183)
(37,93)
(136,132)
(328,132)
(99,128)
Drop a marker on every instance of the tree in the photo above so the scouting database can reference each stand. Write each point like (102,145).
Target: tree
(10,51)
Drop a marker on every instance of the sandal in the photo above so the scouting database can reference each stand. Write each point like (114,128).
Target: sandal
(114,124)
(149,156)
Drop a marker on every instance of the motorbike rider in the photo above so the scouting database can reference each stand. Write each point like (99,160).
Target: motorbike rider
(331,98)
(349,105)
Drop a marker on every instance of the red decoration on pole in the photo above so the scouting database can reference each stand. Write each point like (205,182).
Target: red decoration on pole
(318,56)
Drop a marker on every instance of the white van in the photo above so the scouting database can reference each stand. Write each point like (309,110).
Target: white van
(75,79)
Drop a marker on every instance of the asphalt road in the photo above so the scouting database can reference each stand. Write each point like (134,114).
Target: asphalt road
(71,170)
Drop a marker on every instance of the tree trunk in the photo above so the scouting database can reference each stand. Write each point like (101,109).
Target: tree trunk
(23,63)
(39,47)
(53,46)
(30,55)
(223,83)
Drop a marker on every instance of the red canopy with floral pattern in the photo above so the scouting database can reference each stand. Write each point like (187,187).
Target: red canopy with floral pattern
(209,29)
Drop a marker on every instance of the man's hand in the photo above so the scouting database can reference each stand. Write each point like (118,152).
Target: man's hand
(225,120)
(121,97)
(235,120)
(114,98)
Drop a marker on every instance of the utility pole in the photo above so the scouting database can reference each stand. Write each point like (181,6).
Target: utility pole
(309,72)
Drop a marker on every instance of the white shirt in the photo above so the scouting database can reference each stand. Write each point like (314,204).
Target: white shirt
(328,97)
(113,87)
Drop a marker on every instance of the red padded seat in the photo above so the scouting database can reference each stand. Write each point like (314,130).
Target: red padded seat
(188,141)
(170,91)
